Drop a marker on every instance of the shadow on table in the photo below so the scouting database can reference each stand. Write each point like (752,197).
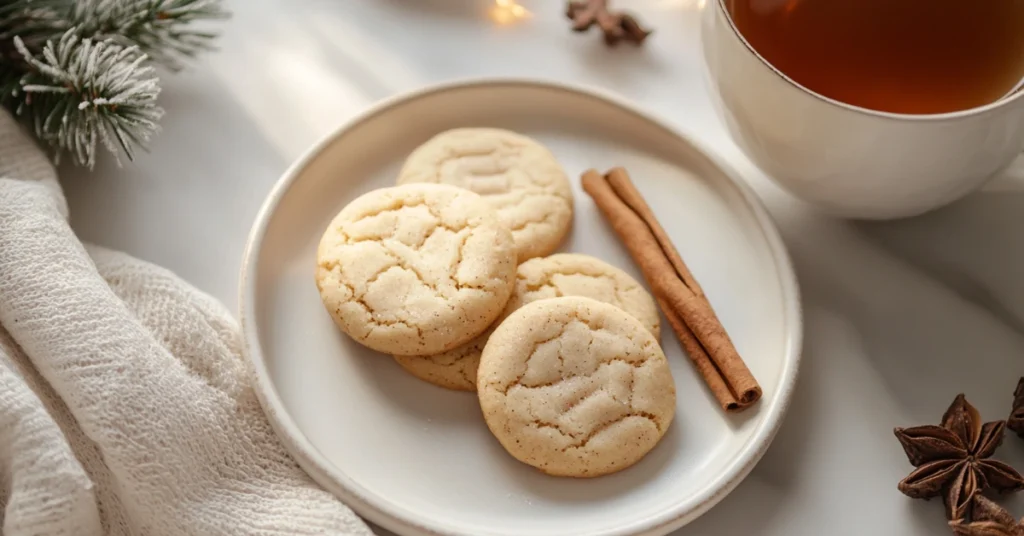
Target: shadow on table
(187,168)
(975,246)
(469,9)
(621,66)
(974,250)
(935,302)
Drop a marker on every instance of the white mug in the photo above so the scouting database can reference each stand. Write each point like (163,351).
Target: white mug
(846,160)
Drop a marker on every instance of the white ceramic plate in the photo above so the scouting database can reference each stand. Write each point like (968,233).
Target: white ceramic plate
(417,459)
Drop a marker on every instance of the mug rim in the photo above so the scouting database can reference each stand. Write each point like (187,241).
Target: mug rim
(944,116)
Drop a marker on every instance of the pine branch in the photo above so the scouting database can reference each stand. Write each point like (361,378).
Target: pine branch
(35,21)
(80,73)
(163,29)
(79,92)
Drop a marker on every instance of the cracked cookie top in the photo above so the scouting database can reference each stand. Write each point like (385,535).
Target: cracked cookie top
(575,387)
(562,274)
(415,269)
(518,176)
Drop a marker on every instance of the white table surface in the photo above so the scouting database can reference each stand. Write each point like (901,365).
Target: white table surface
(900,316)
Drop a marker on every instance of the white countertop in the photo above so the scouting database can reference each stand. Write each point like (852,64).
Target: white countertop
(899,316)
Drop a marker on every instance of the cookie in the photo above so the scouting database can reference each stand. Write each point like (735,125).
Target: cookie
(574,274)
(575,387)
(415,269)
(454,369)
(517,175)
(563,274)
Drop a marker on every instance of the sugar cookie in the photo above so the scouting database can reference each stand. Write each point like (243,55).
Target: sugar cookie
(574,274)
(575,387)
(563,274)
(415,269)
(517,175)
(454,369)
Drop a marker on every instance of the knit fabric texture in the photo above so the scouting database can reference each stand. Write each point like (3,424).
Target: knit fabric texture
(126,406)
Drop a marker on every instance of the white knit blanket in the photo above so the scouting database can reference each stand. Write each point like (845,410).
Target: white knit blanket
(126,406)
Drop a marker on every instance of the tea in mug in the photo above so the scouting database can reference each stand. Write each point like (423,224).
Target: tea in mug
(901,56)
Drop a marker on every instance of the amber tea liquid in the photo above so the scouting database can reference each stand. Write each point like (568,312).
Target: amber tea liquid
(902,56)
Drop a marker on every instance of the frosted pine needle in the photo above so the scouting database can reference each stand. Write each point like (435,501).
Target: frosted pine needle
(82,92)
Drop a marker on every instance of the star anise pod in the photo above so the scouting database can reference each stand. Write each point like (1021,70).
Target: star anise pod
(617,26)
(1016,420)
(952,459)
(988,519)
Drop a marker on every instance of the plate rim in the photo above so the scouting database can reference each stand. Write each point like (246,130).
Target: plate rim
(388,515)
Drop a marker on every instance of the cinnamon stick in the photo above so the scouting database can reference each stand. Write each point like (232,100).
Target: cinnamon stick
(679,296)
